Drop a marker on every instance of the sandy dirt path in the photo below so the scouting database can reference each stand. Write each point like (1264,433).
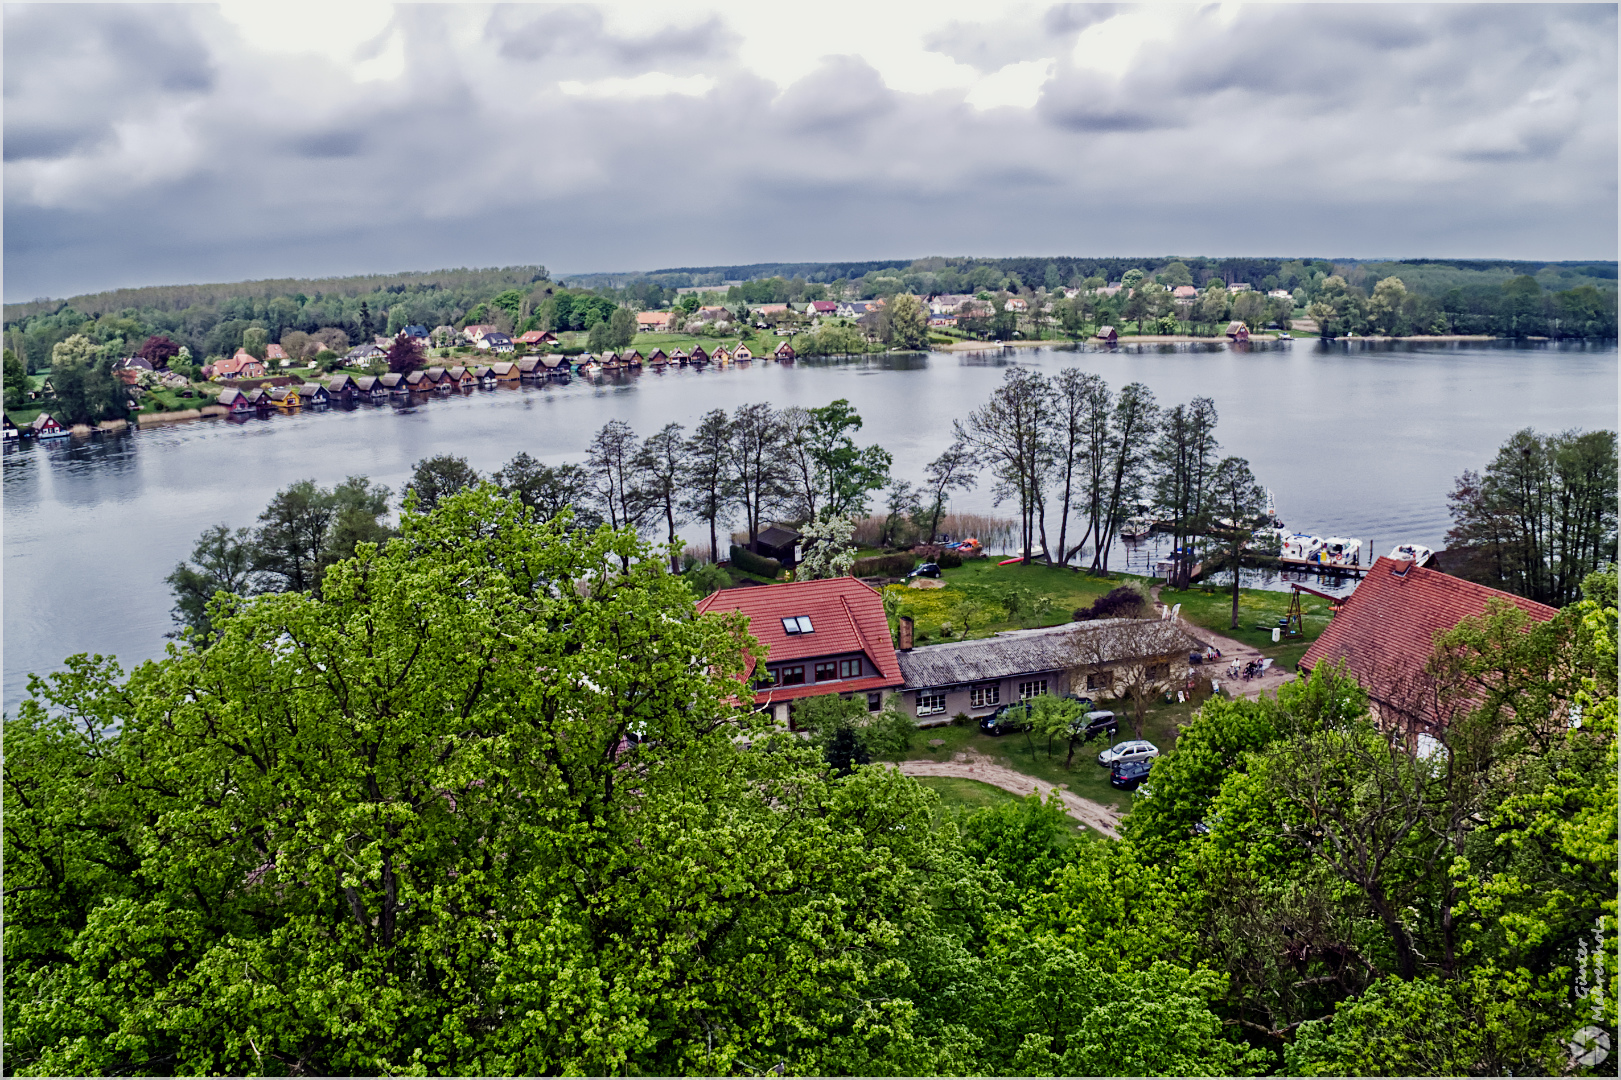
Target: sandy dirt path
(1232,650)
(968,766)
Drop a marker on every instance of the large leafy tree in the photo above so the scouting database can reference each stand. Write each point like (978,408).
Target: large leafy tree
(1541,517)
(846,474)
(359,833)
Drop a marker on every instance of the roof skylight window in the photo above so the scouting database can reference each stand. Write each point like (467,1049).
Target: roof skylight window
(798,624)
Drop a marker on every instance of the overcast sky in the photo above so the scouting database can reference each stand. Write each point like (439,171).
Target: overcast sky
(148,145)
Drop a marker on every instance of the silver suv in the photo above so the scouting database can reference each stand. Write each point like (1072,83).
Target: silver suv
(1131,750)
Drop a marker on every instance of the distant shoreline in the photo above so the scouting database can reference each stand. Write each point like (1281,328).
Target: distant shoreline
(1170,339)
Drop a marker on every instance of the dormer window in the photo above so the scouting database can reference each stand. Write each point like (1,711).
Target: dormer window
(798,624)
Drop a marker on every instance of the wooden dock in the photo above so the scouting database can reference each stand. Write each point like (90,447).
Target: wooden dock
(1325,568)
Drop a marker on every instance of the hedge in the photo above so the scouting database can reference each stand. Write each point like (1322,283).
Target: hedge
(758,565)
(883,566)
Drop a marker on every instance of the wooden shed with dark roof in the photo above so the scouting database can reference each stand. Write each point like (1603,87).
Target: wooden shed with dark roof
(1385,632)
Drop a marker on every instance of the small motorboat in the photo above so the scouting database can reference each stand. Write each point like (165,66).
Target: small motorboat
(1417,554)
(1301,547)
(1339,551)
(1137,527)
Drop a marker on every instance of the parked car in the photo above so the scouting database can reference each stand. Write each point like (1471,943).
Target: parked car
(1013,717)
(1126,775)
(1130,750)
(1100,722)
(928,569)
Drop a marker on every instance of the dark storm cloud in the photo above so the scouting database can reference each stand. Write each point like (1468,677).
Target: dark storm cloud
(162,145)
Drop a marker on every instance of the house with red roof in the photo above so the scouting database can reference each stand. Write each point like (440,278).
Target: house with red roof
(820,637)
(1384,634)
(536,337)
(821,307)
(654,320)
(276,352)
(242,365)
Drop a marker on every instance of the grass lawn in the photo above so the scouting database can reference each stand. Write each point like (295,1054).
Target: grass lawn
(1256,608)
(1085,777)
(966,796)
(980,598)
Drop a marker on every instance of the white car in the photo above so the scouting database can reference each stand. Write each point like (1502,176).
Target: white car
(1131,750)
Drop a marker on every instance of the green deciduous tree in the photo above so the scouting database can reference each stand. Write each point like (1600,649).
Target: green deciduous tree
(1542,517)
(358,834)
(221,562)
(908,322)
(435,479)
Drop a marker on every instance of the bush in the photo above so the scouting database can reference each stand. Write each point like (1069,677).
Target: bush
(1124,602)
(883,566)
(758,565)
(947,558)
(706,578)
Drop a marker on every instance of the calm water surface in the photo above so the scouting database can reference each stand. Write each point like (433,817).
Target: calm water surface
(1360,441)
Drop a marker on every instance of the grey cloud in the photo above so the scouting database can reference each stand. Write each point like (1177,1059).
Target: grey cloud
(842,94)
(578,33)
(1283,132)
(328,144)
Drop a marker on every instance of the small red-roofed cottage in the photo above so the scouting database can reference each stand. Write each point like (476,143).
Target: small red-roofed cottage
(277,353)
(1385,631)
(822,637)
(1237,331)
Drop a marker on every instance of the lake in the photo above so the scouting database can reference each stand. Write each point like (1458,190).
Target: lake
(1359,440)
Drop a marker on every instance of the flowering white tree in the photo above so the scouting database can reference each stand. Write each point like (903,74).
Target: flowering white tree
(828,550)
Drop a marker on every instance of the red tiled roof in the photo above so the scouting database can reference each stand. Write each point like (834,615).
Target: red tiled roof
(848,617)
(1386,630)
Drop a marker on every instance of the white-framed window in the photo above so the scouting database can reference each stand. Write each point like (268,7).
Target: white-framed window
(1033,688)
(930,702)
(984,695)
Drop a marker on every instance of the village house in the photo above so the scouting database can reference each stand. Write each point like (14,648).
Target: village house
(1108,334)
(1384,633)
(942,320)
(1014,303)
(476,331)
(947,303)
(277,355)
(46,427)
(654,321)
(821,307)
(712,313)
(1237,331)
(1239,286)
(363,355)
(1094,659)
(241,365)
(495,341)
(417,333)
(822,637)
(536,337)
(1281,294)
(11,431)
(284,398)
(1110,290)
(774,310)
(1185,292)
(855,309)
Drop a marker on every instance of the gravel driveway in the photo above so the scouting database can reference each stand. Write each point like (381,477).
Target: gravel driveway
(971,766)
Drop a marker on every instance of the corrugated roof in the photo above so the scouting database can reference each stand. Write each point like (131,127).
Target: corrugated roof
(1386,630)
(1023,652)
(847,615)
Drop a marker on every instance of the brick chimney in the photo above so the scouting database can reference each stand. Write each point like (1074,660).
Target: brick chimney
(906,633)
